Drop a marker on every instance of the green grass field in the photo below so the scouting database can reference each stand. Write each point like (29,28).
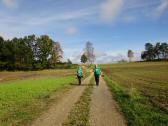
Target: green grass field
(22,100)
(141,90)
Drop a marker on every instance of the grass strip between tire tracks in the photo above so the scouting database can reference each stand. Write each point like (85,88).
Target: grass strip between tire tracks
(79,115)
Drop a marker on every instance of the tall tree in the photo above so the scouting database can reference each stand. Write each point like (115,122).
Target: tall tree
(157,49)
(144,55)
(20,50)
(1,47)
(84,58)
(45,45)
(56,54)
(150,51)
(164,50)
(154,52)
(8,55)
(130,55)
(32,50)
(89,51)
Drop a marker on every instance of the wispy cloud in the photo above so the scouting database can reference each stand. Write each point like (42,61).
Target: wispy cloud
(161,8)
(110,9)
(34,22)
(38,19)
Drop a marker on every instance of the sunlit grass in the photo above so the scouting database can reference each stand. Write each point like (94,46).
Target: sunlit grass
(22,100)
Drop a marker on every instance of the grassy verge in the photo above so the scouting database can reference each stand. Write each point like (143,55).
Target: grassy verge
(137,109)
(21,101)
(79,116)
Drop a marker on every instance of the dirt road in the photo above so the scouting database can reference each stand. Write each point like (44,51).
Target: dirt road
(104,109)
(59,111)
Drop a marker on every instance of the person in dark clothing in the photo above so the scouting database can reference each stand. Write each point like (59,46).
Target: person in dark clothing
(97,73)
(79,74)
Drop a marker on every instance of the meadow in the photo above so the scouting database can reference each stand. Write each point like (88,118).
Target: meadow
(24,95)
(141,90)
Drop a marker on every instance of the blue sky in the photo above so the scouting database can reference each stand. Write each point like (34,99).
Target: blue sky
(113,26)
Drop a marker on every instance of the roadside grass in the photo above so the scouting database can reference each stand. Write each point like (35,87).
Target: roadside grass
(79,115)
(136,108)
(22,100)
(140,89)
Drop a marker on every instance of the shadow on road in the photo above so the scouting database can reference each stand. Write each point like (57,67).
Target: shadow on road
(75,84)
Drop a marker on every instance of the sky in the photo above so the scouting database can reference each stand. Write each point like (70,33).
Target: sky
(113,26)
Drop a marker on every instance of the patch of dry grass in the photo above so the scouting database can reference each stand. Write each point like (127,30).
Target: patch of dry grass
(22,75)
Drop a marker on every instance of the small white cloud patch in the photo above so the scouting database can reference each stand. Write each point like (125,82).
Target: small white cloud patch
(72,30)
(110,9)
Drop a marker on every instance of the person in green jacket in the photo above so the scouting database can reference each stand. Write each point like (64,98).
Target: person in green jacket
(97,73)
(79,74)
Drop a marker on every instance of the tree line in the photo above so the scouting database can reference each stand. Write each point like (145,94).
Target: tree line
(158,51)
(29,53)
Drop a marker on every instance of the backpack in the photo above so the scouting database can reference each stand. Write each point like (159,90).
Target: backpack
(79,73)
(97,71)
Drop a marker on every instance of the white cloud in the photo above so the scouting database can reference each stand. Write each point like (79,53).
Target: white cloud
(161,8)
(111,57)
(72,30)
(73,54)
(10,3)
(110,9)
(99,53)
(5,36)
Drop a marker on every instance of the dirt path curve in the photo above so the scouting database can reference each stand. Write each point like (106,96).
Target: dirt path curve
(59,111)
(104,109)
